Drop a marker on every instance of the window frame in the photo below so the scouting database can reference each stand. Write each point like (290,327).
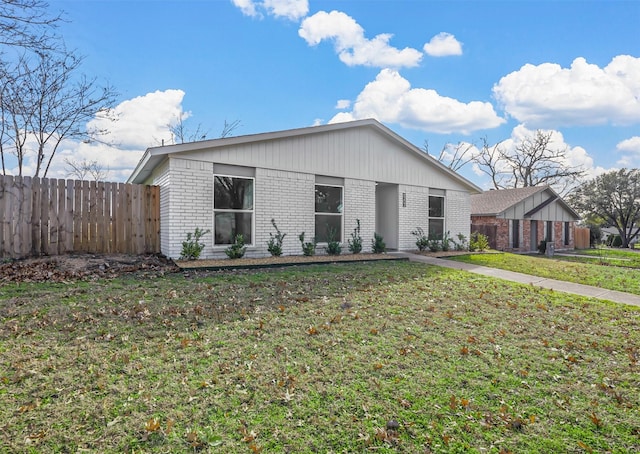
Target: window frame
(322,213)
(252,211)
(443,217)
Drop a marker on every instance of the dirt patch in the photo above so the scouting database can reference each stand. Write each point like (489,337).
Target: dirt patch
(84,267)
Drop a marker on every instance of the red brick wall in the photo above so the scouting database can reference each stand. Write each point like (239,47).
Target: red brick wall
(502,235)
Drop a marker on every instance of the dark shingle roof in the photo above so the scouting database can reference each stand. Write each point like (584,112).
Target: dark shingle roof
(491,203)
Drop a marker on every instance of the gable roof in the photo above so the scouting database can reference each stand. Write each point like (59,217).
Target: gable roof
(496,202)
(155,155)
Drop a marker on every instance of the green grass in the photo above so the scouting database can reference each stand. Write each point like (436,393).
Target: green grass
(608,277)
(605,256)
(316,359)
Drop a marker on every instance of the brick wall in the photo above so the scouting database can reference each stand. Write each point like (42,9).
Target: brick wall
(414,214)
(191,203)
(359,203)
(501,239)
(289,198)
(458,214)
(161,178)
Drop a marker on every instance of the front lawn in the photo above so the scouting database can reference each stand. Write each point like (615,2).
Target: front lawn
(605,256)
(384,357)
(623,279)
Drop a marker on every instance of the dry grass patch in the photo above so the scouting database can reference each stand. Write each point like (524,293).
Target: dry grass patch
(386,356)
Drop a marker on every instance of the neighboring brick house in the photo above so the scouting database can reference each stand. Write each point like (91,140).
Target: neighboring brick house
(518,219)
(313,180)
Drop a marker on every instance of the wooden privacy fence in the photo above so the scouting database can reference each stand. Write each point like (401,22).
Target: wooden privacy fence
(581,238)
(40,216)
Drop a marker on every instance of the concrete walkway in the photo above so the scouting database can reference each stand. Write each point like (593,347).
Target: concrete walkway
(558,286)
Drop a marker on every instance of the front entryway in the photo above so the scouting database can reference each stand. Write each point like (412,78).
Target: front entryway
(387,213)
(534,236)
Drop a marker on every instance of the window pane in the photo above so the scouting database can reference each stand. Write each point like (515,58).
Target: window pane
(436,207)
(233,193)
(436,228)
(328,199)
(228,225)
(326,224)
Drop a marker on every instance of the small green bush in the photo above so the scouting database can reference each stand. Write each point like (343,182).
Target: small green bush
(478,242)
(333,245)
(308,248)
(461,244)
(378,245)
(274,245)
(237,249)
(446,242)
(421,238)
(434,244)
(616,241)
(355,243)
(192,247)
(542,247)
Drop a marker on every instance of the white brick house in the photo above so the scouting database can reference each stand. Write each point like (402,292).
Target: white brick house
(313,180)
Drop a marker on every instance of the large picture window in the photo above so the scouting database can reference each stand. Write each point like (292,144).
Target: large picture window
(232,209)
(328,213)
(436,217)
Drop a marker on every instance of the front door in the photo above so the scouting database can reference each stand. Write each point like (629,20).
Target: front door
(534,236)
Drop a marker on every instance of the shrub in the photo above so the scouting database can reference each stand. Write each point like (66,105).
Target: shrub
(333,245)
(308,248)
(237,249)
(434,243)
(542,247)
(355,243)
(421,238)
(191,248)
(274,245)
(616,241)
(377,244)
(462,245)
(478,242)
(446,242)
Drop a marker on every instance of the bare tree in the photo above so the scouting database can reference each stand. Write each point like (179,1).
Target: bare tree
(455,156)
(27,24)
(228,128)
(45,102)
(80,170)
(180,133)
(532,162)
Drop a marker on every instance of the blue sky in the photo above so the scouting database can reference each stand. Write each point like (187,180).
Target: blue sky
(440,71)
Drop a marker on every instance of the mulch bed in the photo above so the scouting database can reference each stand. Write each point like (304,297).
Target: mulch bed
(274,262)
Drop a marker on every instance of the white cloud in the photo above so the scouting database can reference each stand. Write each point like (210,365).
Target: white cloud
(248,7)
(142,122)
(390,98)
(351,45)
(343,104)
(630,145)
(630,149)
(288,9)
(584,94)
(443,45)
